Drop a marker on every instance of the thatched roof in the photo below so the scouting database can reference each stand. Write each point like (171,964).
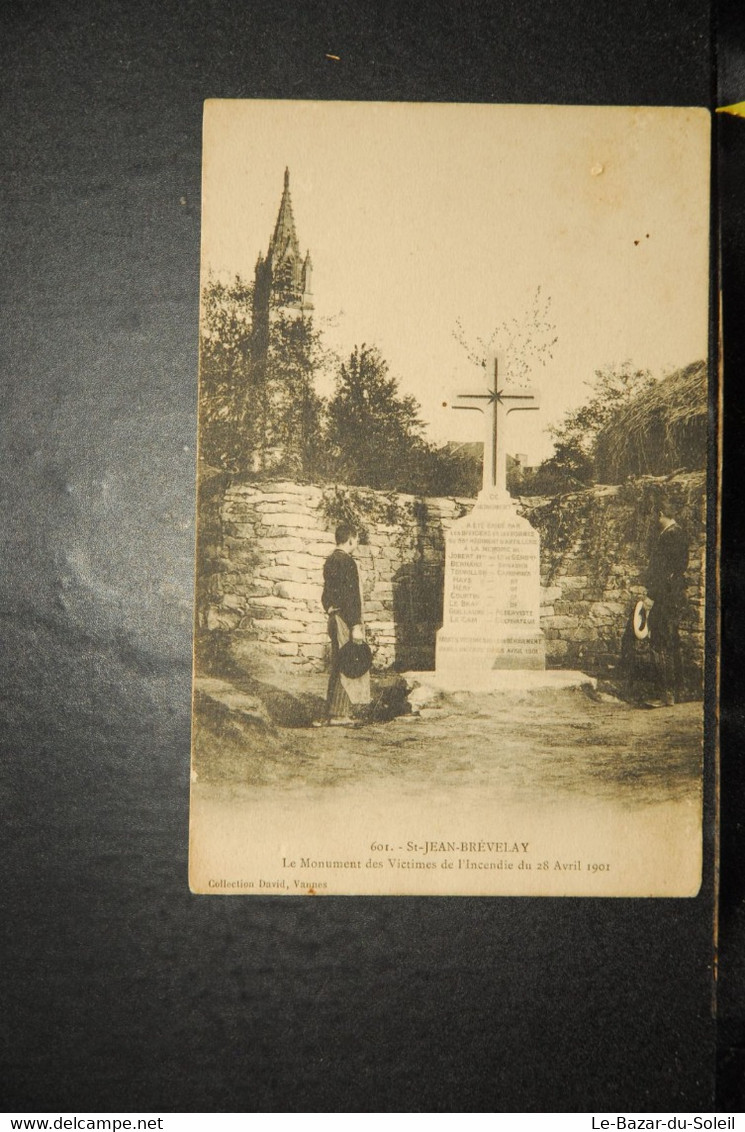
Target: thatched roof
(664,429)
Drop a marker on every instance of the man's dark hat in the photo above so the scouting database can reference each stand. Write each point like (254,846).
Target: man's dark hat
(355,659)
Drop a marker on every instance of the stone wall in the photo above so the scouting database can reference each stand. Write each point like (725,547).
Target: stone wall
(595,548)
(262,548)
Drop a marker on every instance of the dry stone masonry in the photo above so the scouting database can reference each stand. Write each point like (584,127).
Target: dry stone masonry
(262,548)
(594,552)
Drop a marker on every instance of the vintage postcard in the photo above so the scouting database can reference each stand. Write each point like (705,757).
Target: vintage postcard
(452,500)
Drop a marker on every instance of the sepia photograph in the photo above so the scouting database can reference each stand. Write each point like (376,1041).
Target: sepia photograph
(452,508)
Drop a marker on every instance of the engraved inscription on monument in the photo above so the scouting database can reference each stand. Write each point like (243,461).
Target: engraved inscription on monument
(492,593)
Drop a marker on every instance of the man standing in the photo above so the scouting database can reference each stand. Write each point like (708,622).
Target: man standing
(342,600)
(666,587)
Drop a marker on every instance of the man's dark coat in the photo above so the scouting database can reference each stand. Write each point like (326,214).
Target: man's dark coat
(341,587)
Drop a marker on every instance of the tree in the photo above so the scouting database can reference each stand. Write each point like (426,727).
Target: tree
(575,438)
(227,376)
(450,470)
(568,469)
(523,343)
(294,359)
(374,434)
(259,411)
(573,464)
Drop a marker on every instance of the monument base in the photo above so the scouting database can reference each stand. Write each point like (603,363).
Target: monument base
(425,684)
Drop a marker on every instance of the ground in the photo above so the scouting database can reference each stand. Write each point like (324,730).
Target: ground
(594,797)
(545,742)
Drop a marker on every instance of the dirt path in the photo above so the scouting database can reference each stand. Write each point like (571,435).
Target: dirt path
(539,743)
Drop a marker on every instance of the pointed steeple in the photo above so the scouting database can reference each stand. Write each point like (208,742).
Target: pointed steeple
(284,241)
(283,277)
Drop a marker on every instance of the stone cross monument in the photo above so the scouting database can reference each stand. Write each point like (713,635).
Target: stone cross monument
(491,615)
(501,403)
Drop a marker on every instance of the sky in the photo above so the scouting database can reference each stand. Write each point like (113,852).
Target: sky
(422,216)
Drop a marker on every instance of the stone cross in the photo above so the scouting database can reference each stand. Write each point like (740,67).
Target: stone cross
(499,401)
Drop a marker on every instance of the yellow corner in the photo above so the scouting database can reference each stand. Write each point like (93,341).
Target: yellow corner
(737,108)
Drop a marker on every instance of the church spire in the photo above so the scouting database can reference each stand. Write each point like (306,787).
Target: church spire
(283,278)
(284,241)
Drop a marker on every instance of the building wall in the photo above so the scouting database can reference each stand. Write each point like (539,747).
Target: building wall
(262,548)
